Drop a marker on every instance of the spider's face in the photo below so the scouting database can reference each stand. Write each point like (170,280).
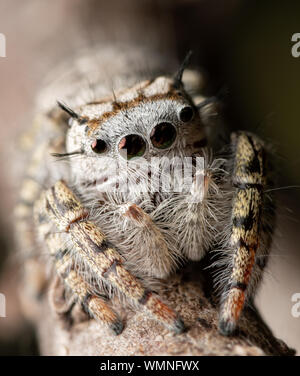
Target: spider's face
(152,119)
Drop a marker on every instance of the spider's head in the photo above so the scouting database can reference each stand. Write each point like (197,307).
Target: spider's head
(155,118)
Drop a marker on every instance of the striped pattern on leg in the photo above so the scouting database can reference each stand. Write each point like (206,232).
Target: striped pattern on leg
(96,306)
(249,180)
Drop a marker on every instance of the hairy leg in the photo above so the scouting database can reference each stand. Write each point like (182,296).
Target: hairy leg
(247,243)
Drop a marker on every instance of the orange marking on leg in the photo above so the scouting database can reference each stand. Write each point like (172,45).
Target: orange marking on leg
(160,309)
(135,213)
(164,314)
(237,302)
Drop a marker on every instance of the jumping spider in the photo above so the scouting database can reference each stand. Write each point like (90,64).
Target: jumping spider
(103,239)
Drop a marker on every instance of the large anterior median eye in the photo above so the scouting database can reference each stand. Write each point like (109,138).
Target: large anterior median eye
(99,146)
(163,135)
(134,145)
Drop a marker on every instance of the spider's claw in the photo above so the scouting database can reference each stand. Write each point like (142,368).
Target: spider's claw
(226,327)
(179,326)
(117,327)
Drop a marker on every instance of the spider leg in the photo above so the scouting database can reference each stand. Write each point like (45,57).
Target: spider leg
(156,257)
(66,269)
(33,272)
(99,256)
(35,172)
(34,278)
(247,235)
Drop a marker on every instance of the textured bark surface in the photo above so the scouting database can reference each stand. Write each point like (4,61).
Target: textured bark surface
(144,336)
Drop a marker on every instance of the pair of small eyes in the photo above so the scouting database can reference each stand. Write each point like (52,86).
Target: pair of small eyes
(162,136)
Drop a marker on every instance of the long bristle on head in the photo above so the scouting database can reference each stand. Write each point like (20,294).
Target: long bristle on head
(179,73)
(68,110)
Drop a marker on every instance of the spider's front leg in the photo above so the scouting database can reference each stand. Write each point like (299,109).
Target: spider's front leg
(248,242)
(99,258)
(68,272)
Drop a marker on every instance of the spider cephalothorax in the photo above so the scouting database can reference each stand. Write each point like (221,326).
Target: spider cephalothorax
(152,119)
(117,232)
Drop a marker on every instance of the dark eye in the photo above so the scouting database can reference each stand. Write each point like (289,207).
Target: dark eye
(186,114)
(163,135)
(134,145)
(99,146)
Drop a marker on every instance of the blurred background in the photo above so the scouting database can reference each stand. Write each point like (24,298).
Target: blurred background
(244,46)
